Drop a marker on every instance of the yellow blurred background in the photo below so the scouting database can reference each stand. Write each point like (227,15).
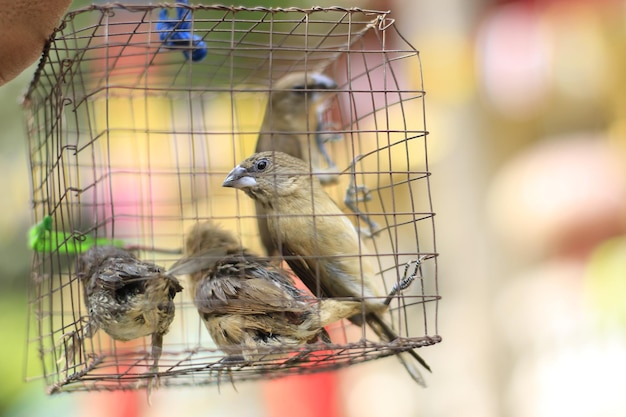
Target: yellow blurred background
(527,116)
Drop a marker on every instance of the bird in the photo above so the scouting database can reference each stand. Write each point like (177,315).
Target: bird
(292,124)
(316,239)
(126,297)
(250,307)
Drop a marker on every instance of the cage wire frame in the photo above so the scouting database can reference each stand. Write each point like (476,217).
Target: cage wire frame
(129,140)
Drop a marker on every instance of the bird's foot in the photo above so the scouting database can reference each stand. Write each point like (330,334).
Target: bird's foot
(327,176)
(327,132)
(360,194)
(357,194)
(407,279)
(69,345)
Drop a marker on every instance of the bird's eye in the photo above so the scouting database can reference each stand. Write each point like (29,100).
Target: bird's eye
(262,165)
(300,89)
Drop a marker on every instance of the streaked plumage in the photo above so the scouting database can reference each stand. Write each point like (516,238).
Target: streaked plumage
(126,297)
(250,307)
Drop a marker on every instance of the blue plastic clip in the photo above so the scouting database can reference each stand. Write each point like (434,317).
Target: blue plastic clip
(176,34)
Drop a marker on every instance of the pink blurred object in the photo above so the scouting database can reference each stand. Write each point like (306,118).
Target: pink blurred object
(512,56)
(563,195)
(312,395)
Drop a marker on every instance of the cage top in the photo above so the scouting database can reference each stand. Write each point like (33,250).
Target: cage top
(75,35)
(223,7)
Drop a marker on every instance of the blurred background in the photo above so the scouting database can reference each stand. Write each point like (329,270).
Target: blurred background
(527,116)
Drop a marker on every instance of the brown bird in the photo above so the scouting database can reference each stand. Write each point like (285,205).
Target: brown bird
(317,240)
(126,297)
(250,307)
(291,124)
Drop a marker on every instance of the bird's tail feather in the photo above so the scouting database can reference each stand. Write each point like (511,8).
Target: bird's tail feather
(407,358)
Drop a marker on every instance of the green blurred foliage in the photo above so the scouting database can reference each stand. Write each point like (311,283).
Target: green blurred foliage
(15,186)
(605,283)
(13,306)
(14,253)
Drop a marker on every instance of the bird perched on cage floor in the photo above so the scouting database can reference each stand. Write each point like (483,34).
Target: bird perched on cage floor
(126,297)
(294,124)
(317,240)
(250,307)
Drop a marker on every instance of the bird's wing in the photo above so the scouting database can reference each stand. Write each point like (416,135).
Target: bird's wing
(308,277)
(244,295)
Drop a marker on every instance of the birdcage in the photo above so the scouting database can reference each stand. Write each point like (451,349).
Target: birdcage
(137,113)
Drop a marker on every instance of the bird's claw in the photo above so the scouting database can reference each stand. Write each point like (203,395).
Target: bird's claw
(357,194)
(327,130)
(153,384)
(320,143)
(68,344)
(231,360)
(323,135)
(406,280)
(328,135)
(371,230)
(360,194)
(327,176)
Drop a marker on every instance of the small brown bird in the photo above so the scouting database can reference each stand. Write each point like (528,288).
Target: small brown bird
(126,297)
(250,307)
(291,125)
(317,240)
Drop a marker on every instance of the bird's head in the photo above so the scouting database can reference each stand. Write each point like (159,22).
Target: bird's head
(205,245)
(208,235)
(266,176)
(300,92)
(88,262)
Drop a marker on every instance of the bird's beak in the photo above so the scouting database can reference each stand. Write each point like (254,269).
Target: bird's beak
(323,82)
(238,178)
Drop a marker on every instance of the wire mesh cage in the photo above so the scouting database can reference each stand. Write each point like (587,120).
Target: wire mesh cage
(137,114)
